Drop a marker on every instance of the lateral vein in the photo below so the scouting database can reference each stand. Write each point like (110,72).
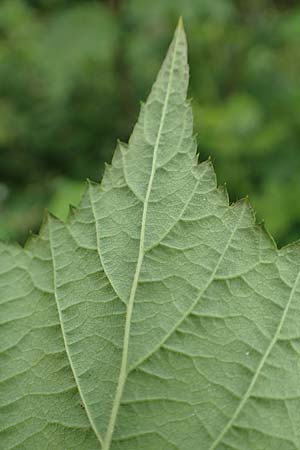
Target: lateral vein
(259,368)
(98,241)
(198,298)
(86,408)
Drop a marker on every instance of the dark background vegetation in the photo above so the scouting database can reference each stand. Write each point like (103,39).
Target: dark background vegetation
(72,74)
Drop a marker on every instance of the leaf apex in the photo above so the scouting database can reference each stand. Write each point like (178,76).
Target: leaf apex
(180,31)
(180,25)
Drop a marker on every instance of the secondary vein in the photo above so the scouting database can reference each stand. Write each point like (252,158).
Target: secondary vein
(259,368)
(198,298)
(86,408)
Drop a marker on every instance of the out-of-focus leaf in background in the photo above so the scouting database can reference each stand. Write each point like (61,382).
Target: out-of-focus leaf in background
(72,73)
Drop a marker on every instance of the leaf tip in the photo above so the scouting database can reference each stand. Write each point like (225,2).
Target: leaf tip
(180,23)
(180,31)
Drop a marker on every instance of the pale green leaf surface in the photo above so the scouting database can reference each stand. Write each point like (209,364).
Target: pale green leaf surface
(159,317)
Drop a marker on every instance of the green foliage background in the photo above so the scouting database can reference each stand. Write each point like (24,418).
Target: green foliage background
(72,74)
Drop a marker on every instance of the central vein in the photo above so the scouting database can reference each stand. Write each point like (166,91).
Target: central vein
(124,361)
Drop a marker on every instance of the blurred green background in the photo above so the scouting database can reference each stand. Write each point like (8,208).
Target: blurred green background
(72,74)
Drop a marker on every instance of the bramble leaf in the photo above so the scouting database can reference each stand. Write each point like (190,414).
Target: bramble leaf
(159,317)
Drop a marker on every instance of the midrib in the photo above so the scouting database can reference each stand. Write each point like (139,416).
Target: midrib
(247,394)
(124,361)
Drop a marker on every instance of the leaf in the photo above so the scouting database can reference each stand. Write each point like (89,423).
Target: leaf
(159,317)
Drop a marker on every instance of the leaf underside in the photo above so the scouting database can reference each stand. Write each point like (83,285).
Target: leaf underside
(159,317)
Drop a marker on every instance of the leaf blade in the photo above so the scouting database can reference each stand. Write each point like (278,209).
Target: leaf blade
(65,340)
(176,315)
(179,37)
(40,405)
